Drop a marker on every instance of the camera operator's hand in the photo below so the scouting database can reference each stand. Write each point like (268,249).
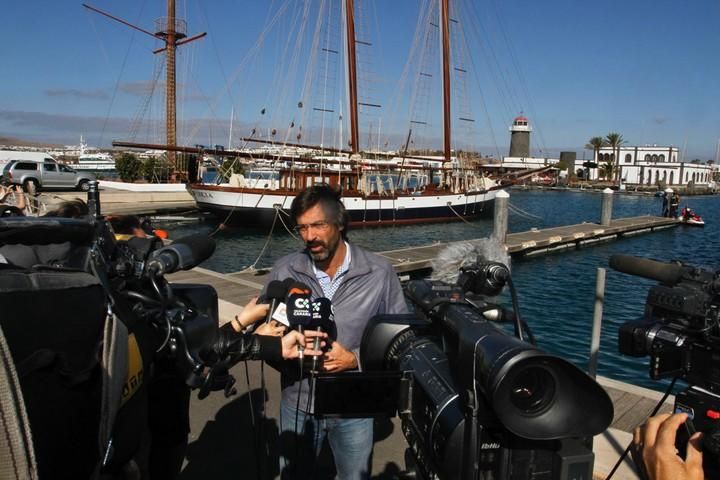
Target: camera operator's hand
(253,312)
(655,454)
(294,339)
(339,359)
(272,329)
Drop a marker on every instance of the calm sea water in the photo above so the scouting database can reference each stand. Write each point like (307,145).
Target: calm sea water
(556,291)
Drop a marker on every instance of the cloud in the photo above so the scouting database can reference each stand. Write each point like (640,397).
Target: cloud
(143,89)
(75,93)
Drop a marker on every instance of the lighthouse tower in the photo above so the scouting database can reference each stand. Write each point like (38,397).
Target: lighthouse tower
(520,137)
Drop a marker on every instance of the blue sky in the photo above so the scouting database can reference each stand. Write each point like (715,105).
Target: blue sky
(646,69)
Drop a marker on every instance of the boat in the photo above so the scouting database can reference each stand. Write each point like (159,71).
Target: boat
(94,161)
(690,218)
(397,189)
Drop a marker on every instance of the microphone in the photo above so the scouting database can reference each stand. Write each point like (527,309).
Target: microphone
(183,254)
(275,293)
(323,319)
(666,273)
(446,266)
(298,309)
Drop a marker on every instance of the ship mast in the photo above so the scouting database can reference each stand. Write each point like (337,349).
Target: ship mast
(352,75)
(173,33)
(445,32)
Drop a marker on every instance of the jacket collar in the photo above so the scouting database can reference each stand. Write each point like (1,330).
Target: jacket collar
(359,264)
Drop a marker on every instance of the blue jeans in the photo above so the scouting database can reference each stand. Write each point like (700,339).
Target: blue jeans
(351,441)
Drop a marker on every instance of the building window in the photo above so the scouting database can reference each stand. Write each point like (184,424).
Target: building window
(647,157)
(661,158)
(628,158)
(672,177)
(654,158)
(664,176)
(657,176)
(612,157)
(673,158)
(649,180)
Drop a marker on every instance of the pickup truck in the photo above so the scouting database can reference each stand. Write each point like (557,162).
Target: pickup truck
(37,175)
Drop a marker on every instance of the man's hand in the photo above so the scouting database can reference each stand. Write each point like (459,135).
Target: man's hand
(272,329)
(294,339)
(339,359)
(655,452)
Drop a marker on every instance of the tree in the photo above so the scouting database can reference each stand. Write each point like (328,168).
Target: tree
(615,140)
(128,167)
(595,144)
(607,170)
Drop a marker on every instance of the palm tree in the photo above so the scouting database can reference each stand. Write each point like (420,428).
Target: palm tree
(607,170)
(615,140)
(594,144)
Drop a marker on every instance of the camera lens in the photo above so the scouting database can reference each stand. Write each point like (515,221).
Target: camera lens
(533,390)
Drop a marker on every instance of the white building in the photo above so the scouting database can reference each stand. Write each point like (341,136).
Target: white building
(648,165)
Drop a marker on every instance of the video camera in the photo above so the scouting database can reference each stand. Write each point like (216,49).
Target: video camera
(63,282)
(680,332)
(475,401)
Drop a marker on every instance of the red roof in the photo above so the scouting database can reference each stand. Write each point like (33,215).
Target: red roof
(521,119)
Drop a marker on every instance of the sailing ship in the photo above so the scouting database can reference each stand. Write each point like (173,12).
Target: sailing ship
(401,190)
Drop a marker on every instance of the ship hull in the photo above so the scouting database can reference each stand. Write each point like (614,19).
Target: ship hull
(253,207)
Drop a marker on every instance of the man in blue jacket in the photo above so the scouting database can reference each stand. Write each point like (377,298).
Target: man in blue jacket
(360,285)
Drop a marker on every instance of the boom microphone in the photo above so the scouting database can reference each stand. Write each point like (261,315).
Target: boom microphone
(183,254)
(323,319)
(667,273)
(456,255)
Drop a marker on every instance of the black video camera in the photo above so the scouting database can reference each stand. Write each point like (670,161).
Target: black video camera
(69,290)
(680,332)
(475,401)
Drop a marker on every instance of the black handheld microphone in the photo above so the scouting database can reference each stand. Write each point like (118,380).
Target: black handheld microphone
(667,273)
(323,319)
(299,309)
(275,293)
(183,254)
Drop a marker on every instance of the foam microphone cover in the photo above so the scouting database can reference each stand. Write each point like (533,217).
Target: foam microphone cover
(276,290)
(299,309)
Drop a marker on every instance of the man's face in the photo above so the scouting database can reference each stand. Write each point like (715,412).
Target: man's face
(321,237)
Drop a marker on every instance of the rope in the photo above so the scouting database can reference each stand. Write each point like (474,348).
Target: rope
(288,229)
(518,211)
(459,216)
(252,268)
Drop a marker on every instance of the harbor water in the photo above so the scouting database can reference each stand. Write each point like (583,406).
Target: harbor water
(556,290)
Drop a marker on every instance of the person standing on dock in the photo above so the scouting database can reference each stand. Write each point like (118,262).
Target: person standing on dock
(666,202)
(360,285)
(674,203)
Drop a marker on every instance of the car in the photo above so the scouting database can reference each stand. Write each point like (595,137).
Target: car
(34,176)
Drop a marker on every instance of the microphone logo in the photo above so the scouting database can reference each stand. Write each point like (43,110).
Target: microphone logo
(303,303)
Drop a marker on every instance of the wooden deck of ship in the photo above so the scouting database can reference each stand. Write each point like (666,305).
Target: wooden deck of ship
(632,404)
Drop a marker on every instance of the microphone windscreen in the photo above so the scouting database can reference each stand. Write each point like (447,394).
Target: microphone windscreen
(298,288)
(446,265)
(299,309)
(276,290)
(669,274)
(201,246)
(322,313)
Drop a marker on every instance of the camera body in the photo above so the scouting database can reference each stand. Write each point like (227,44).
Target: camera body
(680,332)
(475,401)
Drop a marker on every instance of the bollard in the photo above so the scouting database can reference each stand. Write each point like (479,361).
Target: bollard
(606,209)
(597,322)
(500,223)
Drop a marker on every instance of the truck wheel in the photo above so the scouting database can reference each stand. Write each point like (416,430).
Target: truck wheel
(31,186)
(84,186)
